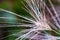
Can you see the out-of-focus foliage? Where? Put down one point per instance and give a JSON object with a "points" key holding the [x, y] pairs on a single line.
{"points": [[15, 6], [12, 5]]}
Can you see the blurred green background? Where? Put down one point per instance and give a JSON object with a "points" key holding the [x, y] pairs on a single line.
{"points": [[14, 6]]}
